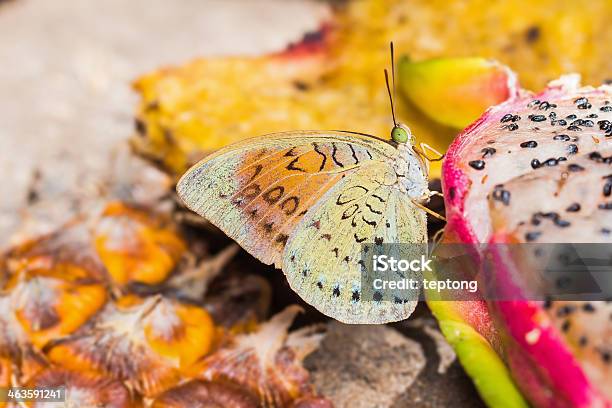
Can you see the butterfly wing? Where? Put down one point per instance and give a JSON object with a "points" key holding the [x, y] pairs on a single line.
{"points": [[326, 259], [259, 190], [288, 200]]}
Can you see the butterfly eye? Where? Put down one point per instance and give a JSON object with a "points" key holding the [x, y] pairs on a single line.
{"points": [[399, 135]]}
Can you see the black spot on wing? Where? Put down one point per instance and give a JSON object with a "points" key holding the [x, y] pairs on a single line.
{"points": [[316, 149], [281, 239], [372, 223], [290, 205], [268, 227], [353, 153], [359, 240], [273, 195], [258, 170], [341, 201], [373, 210], [291, 152], [349, 212], [292, 166], [333, 155], [251, 190]]}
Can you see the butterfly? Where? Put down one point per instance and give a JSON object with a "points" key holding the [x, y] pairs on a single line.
{"points": [[311, 202]]}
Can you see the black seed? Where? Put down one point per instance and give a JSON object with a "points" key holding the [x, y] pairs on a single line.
{"points": [[605, 231], [587, 307], [561, 122], [320, 285], [488, 152], [605, 206], [562, 223], [582, 341], [575, 167], [545, 105], [506, 118], [532, 236], [606, 357], [607, 108], [595, 156], [604, 124], [535, 163], [547, 303], [565, 326], [565, 311], [529, 144], [533, 103], [592, 116], [336, 291], [574, 128], [537, 118], [581, 101], [551, 162], [607, 189], [511, 127], [377, 296], [572, 149], [575, 207], [564, 138], [570, 117], [561, 159], [477, 164], [499, 194], [355, 296], [552, 115], [535, 219]]}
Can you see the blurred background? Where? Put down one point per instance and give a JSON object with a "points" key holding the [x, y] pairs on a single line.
{"points": [[94, 92], [66, 97]]}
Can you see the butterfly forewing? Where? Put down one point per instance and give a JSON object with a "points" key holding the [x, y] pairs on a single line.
{"points": [[258, 191]]}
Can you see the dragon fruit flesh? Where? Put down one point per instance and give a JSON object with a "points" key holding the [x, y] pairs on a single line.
{"points": [[537, 169]]}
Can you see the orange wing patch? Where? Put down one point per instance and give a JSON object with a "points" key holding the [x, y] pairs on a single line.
{"points": [[259, 192]]}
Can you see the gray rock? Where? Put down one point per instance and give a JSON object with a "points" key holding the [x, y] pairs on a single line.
{"points": [[365, 366]]}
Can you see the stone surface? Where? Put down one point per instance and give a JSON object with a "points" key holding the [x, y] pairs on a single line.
{"points": [[408, 364], [365, 366]]}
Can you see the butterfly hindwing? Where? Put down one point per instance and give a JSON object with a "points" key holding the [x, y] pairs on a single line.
{"points": [[361, 213], [259, 190]]}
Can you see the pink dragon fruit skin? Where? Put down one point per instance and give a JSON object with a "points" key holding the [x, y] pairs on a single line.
{"points": [[528, 134]]}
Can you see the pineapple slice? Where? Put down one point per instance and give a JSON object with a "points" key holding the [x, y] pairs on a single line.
{"points": [[149, 343]]}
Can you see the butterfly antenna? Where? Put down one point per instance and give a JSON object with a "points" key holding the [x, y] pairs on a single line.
{"points": [[392, 69], [390, 97]]}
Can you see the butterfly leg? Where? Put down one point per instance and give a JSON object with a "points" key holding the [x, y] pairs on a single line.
{"points": [[437, 236], [427, 210], [425, 147], [422, 152]]}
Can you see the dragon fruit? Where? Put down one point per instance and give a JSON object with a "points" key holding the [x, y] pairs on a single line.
{"points": [[536, 169]]}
